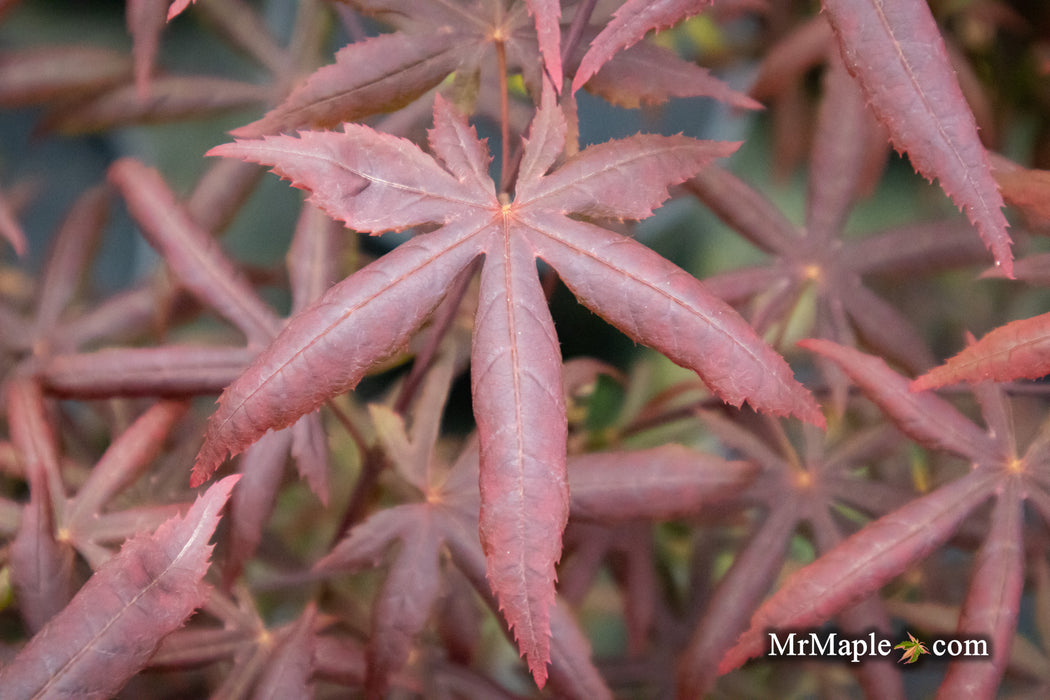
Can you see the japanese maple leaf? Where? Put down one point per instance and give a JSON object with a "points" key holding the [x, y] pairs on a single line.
{"points": [[913, 649], [206, 273], [894, 50], [863, 563], [895, 54], [278, 661], [434, 40], [177, 7], [439, 521], [429, 530], [376, 182], [801, 492], [816, 256], [1016, 350], [10, 228], [113, 625], [630, 23]]}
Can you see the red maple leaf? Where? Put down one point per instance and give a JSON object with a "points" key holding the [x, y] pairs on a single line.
{"points": [[377, 182]]}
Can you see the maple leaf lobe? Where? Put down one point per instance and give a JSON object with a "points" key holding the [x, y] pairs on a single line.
{"points": [[1018, 350], [896, 53]]}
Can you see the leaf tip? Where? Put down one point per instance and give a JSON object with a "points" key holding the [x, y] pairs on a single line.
{"points": [[539, 674], [208, 460], [814, 415], [177, 8], [252, 130], [738, 654], [923, 383], [224, 486], [1004, 265], [224, 150]]}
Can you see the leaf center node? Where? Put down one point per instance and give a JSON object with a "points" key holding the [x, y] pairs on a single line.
{"points": [[812, 272]]}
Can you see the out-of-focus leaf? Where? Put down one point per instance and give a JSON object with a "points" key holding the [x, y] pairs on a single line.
{"points": [[111, 627], [70, 255], [42, 567], [572, 673], [786, 62], [845, 128], [178, 7], [193, 254], [377, 75], [917, 248], [287, 674], [38, 75], [261, 468], [884, 326], [312, 255], [145, 20], [993, 601], [863, 563], [752, 574], [926, 418], [176, 370], [404, 603], [10, 229], [745, 209], [1027, 189], [171, 98], [341, 660], [664, 482], [122, 462], [648, 74], [220, 193]]}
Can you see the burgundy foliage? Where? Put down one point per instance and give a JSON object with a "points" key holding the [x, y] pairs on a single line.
{"points": [[585, 524]]}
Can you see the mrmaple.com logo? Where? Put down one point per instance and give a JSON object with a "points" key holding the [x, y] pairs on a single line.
{"points": [[833, 645]]}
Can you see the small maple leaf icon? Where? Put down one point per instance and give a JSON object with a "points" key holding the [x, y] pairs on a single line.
{"points": [[913, 649]]}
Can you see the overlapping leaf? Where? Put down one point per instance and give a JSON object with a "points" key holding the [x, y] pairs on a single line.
{"points": [[925, 418], [376, 182], [386, 72], [32, 76], [660, 482], [1018, 350], [800, 494], [866, 561], [178, 7], [145, 20], [443, 519], [994, 600], [208, 274], [630, 23], [112, 626], [862, 564], [10, 229], [818, 256], [289, 672], [895, 51]]}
